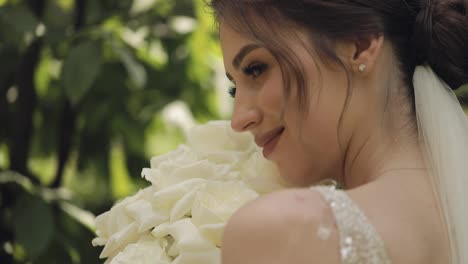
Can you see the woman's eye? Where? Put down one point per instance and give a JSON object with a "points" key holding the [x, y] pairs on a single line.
{"points": [[232, 92], [255, 70]]}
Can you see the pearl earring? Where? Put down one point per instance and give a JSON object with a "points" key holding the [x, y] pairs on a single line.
{"points": [[362, 67]]}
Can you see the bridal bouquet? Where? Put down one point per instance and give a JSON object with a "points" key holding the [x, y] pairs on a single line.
{"points": [[180, 217]]}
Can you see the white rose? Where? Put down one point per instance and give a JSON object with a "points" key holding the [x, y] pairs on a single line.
{"points": [[184, 164], [147, 250], [118, 227], [217, 142], [261, 175], [218, 137], [176, 200], [195, 190], [186, 236], [145, 215]]}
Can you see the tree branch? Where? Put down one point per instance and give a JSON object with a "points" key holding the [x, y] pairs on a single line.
{"points": [[68, 118], [4, 109], [22, 122], [67, 128]]}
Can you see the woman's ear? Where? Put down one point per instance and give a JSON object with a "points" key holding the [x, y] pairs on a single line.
{"points": [[365, 53]]}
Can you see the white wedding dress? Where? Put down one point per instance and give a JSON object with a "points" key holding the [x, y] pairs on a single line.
{"points": [[359, 241]]}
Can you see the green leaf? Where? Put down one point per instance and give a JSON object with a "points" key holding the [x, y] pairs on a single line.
{"points": [[135, 70], [57, 252], [141, 6], [14, 177], [80, 70], [462, 91], [20, 18], [462, 94], [82, 216], [33, 225]]}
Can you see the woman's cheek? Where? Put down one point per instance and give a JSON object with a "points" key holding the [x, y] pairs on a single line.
{"points": [[271, 93]]}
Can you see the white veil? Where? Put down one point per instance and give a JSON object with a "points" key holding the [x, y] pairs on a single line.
{"points": [[443, 131]]}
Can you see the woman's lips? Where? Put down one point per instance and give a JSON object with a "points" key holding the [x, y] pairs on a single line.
{"points": [[270, 145]]}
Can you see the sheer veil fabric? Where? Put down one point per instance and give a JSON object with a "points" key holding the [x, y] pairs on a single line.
{"points": [[443, 132]]}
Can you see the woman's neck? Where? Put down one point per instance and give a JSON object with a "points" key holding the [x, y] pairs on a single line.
{"points": [[374, 157], [385, 136]]}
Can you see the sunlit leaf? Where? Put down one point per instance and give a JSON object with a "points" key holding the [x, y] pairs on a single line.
{"points": [[33, 225], [65, 4], [182, 24], [462, 94], [135, 70], [135, 38], [4, 157], [84, 217], [140, 6], [162, 138], [80, 70], [462, 91], [165, 7], [121, 182], [47, 69], [13, 177], [153, 54]]}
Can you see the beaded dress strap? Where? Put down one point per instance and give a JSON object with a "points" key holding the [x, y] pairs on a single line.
{"points": [[359, 241]]}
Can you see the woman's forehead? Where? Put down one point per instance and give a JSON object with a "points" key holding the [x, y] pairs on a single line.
{"points": [[232, 42], [230, 36]]}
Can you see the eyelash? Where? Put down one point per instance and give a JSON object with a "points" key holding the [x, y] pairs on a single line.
{"points": [[253, 70], [232, 91]]}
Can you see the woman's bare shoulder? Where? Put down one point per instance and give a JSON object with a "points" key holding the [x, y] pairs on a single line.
{"points": [[280, 228], [283, 227]]}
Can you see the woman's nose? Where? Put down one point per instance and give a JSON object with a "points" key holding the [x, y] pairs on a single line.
{"points": [[244, 118]]}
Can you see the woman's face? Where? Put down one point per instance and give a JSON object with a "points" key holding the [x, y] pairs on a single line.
{"points": [[304, 145]]}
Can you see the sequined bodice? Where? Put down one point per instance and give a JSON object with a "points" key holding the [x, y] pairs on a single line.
{"points": [[359, 241]]}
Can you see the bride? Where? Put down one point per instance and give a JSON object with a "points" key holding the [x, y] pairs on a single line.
{"points": [[352, 92]]}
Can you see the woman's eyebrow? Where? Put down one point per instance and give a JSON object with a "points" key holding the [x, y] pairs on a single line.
{"points": [[236, 62]]}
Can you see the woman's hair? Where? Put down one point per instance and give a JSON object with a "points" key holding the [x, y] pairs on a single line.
{"points": [[433, 32]]}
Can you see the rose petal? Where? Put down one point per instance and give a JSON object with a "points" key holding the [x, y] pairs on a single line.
{"points": [[183, 206], [186, 235], [119, 240], [165, 199], [213, 232], [261, 175], [217, 136], [143, 213], [145, 251]]}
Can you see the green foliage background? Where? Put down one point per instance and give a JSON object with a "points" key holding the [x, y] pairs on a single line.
{"points": [[82, 87]]}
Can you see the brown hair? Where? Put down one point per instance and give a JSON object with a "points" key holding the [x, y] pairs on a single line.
{"points": [[433, 32]]}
